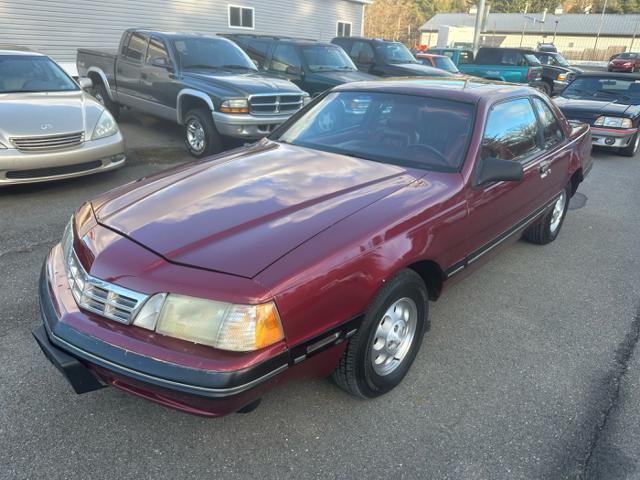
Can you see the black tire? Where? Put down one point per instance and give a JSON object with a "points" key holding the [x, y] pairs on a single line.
{"points": [[631, 149], [355, 372], [99, 92], [541, 232], [211, 140]]}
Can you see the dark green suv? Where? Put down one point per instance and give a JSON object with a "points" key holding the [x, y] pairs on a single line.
{"points": [[313, 66]]}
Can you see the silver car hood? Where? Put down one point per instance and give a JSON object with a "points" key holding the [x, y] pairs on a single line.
{"points": [[47, 113]]}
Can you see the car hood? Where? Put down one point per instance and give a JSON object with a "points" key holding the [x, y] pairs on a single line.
{"points": [[416, 69], [343, 76], [35, 114], [241, 212], [239, 84], [588, 110]]}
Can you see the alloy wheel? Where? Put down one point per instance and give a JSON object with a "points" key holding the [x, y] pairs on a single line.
{"points": [[195, 135], [558, 211], [393, 336]]}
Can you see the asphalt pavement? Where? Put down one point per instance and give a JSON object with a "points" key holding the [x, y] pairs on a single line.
{"points": [[529, 370]]}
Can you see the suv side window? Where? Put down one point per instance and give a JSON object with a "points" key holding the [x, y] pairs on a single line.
{"points": [[551, 131], [361, 52], [125, 44], [512, 131], [257, 50], [136, 47], [285, 56], [489, 56], [156, 50]]}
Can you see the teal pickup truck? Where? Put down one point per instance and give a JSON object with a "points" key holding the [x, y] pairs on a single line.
{"points": [[505, 64]]}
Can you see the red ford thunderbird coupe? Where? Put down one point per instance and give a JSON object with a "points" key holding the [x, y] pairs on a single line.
{"points": [[314, 252]]}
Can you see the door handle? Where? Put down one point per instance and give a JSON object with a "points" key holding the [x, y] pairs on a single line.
{"points": [[545, 169]]}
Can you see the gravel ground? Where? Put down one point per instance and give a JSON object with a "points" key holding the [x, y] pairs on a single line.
{"points": [[529, 369]]}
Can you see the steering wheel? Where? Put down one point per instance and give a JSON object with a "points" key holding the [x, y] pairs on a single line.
{"points": [[420, 147]]}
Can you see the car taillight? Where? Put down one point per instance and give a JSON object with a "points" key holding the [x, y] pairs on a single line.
{"points": [[529, 73]]}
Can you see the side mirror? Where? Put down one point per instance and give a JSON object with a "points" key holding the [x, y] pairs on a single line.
{"points": [[496, 170], [293, 71], [85, 83], [160, 62]]}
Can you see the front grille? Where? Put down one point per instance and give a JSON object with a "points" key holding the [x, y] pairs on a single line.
{"points": [[104, 298], [274, 104], [54, 171], [48, 142]]}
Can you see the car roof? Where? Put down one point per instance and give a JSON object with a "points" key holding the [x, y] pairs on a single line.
{"points": [[6, 49], [464, 89], [271, 37]]}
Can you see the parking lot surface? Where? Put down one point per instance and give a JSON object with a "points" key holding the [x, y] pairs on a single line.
{"points": [[528, 371]]}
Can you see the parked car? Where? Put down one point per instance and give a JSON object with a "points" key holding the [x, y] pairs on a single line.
{"points": [[207, 84], [385, 58], [202, 287], [49, 128], [438, 61], [515, 65], [313, 66], [557, 73], [610, 103], [624, 62], [547, 47]]}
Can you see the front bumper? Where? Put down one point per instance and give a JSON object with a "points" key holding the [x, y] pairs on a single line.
{"points": [[247, 126], [612, 138], [89, 362], [92, 156]]}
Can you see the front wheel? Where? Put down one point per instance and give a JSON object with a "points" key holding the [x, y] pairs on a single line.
{"points": [[200, 134], [546, 229], [631, 149], [379, 355]]}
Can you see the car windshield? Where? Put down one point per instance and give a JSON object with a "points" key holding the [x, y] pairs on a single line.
{"points": [[621, 90], [327, 58], [394, 52], [627, 56], [407, 130], [201, 53], [445, 63], [32, 73]]}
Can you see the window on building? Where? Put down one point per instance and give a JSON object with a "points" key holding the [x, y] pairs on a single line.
{"points": [[344, 29], [240, 17], [511, 132]]}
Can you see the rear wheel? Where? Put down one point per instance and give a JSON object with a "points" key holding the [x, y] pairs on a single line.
{"points": [[200, 134], [546, 229], [99, 92], [631, 149], [379, 355]]}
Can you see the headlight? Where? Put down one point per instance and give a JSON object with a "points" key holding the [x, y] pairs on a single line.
{"points": [[614, 122], [226, 326], [105, 127], [239, 105], [561, 77]]}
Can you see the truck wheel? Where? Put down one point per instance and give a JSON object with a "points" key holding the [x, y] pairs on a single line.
{"points": [[631, 149], [200, 134], [379, 355], [99, 92], [546, 229]]}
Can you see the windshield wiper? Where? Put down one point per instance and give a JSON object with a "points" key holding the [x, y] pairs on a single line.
{"points": [[200, 65], [236, 67]]}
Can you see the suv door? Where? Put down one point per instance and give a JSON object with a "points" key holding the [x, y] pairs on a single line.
{"points": [[498, 209], [158, 85], [128, 68]]}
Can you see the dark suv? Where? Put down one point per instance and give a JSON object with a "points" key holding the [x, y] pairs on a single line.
{"points": [[385, 58], [313, 66]]}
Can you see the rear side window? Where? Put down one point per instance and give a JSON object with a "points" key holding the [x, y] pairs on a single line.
{"points": [[511, 132], [362, 52], [551, 131], [136, 47], [489, 57], [285, 56], [156, 50]]}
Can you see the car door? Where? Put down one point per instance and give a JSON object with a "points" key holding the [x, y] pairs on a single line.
{"points": [[128, 69], [286, 63], [158, 85], [498, 209]]}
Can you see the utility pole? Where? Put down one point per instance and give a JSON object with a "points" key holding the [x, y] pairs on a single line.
{"points": [[478, 27], [595, 45], [524, 25]]}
